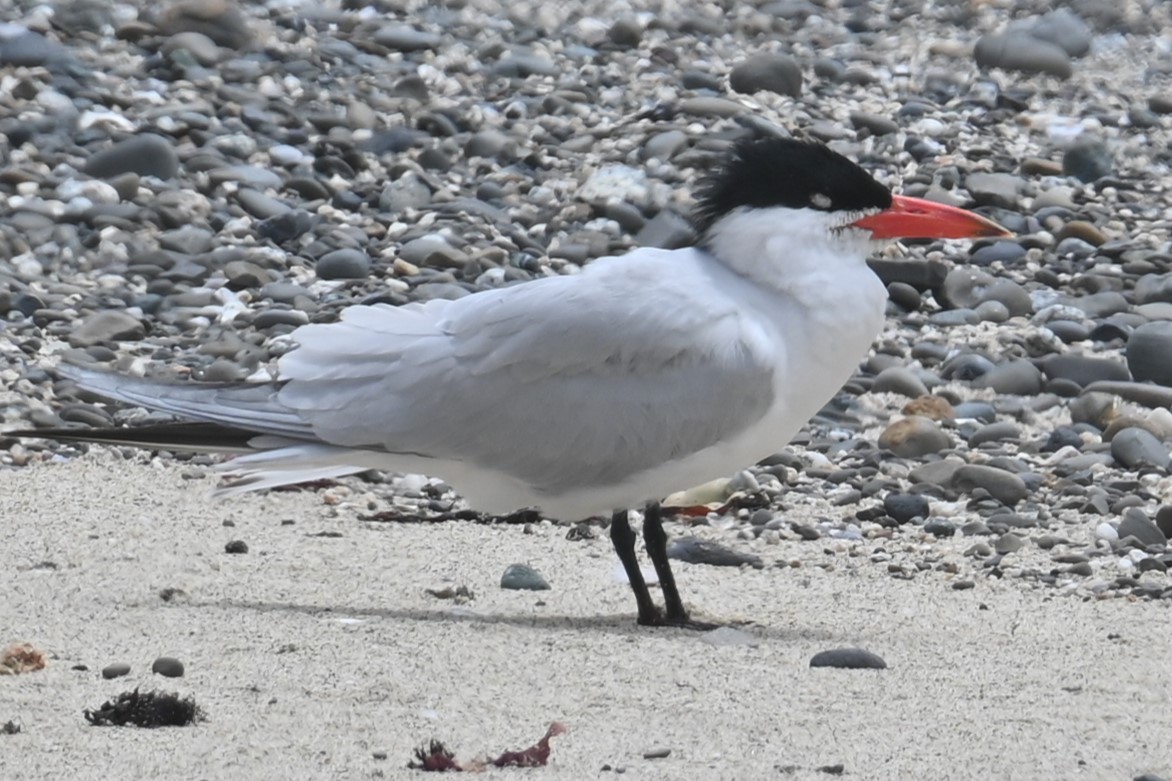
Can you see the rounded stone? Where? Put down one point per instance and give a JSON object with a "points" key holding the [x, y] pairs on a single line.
{"points": [[522, 577], [343, 263], [116, 670], [1149, 353], [769, 72], [848, 659], [146, 155], [168, 667]]}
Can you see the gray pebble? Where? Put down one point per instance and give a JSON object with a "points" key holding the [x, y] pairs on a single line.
{"points": [[694, 550], [1014, 378], [1149, 353], [1135, 523], [897, 379], [107, 325], [522, 577], [343, 264], [1003, 486], [116, 670], [994, 432], [769, 72], [1137, 447], [146, 155], [1022, 53], [1087, 160], [902, 508], [848, 659], [168, 667]]}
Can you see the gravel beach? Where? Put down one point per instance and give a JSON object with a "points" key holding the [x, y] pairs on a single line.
{"points": [[985, 508]]}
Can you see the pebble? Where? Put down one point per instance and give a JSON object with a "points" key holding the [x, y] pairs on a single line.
{"points": [[1018, 378], [848, 659], [522, 577], [897, 379], [236, 547], [694, 550], [1149, 353], [1087, 160], [769, 72], [1136, 448], [116, 670], [902, 508], [168, 667], [343, 264], [1022, 53], [1003, 486], [1136, 524], [107, 326], [146, 155]]}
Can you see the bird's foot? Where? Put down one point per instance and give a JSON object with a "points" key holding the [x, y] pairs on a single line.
{"points": [[675, 620]]}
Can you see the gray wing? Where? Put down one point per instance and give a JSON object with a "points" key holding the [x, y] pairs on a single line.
{"points": [[562, 382]]}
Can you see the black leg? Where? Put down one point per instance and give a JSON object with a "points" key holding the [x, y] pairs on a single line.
{"points": [[655, 538], [623, 540]]}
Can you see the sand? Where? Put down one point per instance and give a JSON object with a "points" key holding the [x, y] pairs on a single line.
{"points": [[312, 654]]}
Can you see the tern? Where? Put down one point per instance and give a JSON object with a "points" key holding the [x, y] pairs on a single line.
{"points": [[585, 394]]}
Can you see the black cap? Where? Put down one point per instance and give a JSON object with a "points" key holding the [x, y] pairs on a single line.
{"points": [[785, 172]]}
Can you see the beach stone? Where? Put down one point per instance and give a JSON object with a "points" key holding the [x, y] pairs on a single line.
{"points": [[236, 547], [1005, 487], [1087, 160], [522, 577], [220, 20], [1012, 378], [1137, 447], [1149, 353], [940, 528], [913, 437], [1000, 431], [1008, 543], [1136, 524], [694, 550], [202, 48], [1065, 29], [902, 508], [1164, 520], [1000, 190], [767, 71], [28, 49], [107, 325], [1007, 253], [905, 296], [146, 155], [168, 667], [1022, 53], [343, 263], [1083, 369], [404, 38], [933, 407], [626, 32], [115, 670], [848, 659], [873, 123], [967, 287], [406, 192], [897, 379]]}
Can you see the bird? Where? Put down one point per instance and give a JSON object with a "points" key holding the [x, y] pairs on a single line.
{"points": [[583, 394]]}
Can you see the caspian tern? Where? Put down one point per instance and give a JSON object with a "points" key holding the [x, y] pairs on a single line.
{"points": [[645, 374]]}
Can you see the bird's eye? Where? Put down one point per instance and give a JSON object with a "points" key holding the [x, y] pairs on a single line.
{"points": [[820, 200]]}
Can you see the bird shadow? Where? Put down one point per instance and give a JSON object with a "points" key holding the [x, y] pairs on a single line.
{"points": [[613, 624]]}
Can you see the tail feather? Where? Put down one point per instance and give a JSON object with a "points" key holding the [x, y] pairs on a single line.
{"points": [[252, 406], [185, 437]]}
